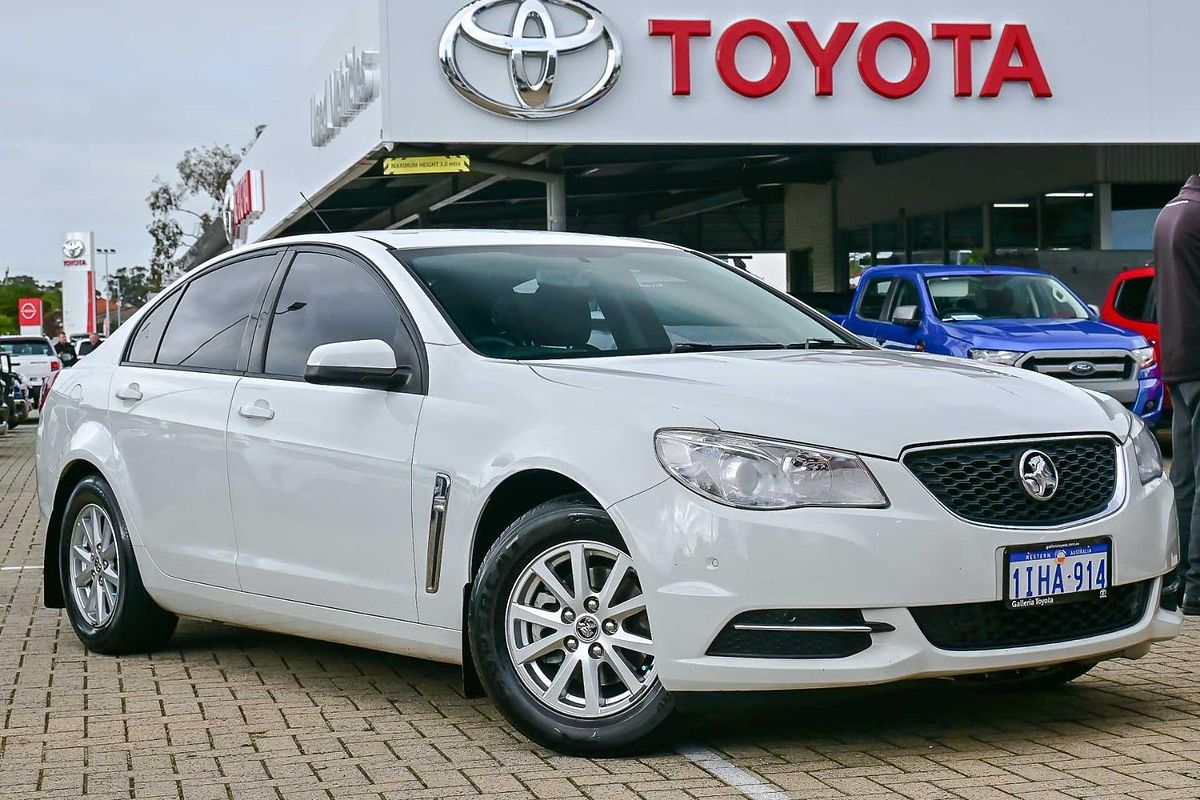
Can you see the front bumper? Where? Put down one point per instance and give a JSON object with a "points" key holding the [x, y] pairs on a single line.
{"points": [[702, 564]]}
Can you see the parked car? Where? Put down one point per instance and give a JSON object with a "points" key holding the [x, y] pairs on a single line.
{"points": [[1131, 304], [1008, 316], [598, 473], [8, 401], [22, 404], [34, 358]]}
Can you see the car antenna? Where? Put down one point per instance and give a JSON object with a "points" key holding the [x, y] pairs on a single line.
{"points": [[317, 213]]}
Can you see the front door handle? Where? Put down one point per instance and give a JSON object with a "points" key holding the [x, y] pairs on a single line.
{"points": [[131, 393], [259, 410]]}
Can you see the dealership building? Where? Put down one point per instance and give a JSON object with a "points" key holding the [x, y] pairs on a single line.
{"points": [[818, 137]]}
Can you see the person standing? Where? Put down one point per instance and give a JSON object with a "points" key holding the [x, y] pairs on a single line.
{"points": [[65, 350], [1177, 261], [93, 341]]}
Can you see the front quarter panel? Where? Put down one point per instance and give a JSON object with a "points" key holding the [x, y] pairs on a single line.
{"points": [[487, 420]]}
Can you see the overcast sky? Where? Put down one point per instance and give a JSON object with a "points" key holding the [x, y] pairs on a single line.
{"points": [[99, 96]]}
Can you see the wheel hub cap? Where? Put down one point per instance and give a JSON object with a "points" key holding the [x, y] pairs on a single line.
{"points": [[586, 583], [588, 628], [94, 566]]}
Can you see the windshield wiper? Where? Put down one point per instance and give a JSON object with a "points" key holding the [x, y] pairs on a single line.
{"points": [[706, 347], [824, 344]]}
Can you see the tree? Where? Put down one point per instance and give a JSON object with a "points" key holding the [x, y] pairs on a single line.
{"points": [[199, 192], [132, 285], [18, 287]]}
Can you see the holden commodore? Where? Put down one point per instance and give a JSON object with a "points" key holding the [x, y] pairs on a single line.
{"points": [[598, 473]]}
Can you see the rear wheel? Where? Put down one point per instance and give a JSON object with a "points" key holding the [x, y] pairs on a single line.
{"points": [[1032, 679], [106, 601], [559, 630]]}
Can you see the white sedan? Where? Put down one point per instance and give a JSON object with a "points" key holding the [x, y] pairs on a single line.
{"points": [[599, 473]]}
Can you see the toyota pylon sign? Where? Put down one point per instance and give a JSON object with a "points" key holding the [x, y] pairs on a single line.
{"points": [[79, 286], [29, 316]]}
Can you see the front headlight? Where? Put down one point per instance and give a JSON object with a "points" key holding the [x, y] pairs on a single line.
{"points": [[747, 472], [1146, 450], [1005, 358], [1145, 357]]}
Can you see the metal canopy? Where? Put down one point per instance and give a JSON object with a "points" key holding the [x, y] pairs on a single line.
{"points": [[718, 198]]}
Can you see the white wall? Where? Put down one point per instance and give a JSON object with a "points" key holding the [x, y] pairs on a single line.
{"points": [[1120, 72]]}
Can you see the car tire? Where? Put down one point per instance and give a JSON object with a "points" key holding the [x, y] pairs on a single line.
{"points": [[1033, 679], [105, 598], [594, 710]]}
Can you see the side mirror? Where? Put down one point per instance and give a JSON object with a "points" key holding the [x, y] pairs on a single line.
{"points": [[908, 316], [369, 363]]}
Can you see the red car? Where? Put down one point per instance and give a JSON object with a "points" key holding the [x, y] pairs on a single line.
{"points": [[1131, 304]]}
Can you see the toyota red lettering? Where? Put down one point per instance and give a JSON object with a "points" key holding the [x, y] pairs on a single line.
{"points": [[1015, 59]]}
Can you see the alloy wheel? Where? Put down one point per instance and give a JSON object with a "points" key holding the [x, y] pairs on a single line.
{"points": [[577, 630], [95, 570]]}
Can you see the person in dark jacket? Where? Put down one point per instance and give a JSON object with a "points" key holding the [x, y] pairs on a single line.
{"points": [[1177, 261], [65, 350], [93, 341]]}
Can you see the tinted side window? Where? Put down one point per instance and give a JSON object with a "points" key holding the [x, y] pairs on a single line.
{"points": [[1133, 299], [326, 299], [906, 295], [144, 347], [210, 321], [871, 304]]}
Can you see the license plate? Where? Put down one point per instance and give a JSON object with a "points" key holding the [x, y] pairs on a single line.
{"points": [[1046, 576]]}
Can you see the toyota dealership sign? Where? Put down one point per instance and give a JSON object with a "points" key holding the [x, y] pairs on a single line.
{"points": [[775, 71], [682, 72]]}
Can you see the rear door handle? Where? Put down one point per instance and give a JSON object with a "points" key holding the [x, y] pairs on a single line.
{"points": [[259, 410], [131, 393]]}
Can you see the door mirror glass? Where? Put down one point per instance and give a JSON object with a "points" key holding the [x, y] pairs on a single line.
{"points": [[368, 363], [908, 316]]}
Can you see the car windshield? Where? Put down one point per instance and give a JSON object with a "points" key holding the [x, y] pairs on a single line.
{"points": [[27, 347], [544, 301], [966, 298]]}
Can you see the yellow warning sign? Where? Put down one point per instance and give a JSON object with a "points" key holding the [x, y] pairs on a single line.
{"points": [[426, 165]]}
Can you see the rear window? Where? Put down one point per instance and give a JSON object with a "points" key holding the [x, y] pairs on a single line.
{"points": [[27, 347], [1133, 299]]}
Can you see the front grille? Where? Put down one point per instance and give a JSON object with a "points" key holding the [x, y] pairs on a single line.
{"points": [[1107, 365], [791, 644], [991, 626], [982, 483]]}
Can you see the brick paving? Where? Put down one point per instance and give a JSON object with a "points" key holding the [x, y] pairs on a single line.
{"points": [[231, 713]]}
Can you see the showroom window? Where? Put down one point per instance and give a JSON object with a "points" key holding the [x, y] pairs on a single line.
{"points": [[326, 299], [925, 239], [209, 323], [889, 243], [1069, 220], [1015, 225]]}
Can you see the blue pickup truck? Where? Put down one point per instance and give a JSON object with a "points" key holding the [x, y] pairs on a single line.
{"points": [[1011, 316]]}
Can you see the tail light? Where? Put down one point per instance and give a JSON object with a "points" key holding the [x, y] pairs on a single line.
{"points": [[46, 386], [55, 366]]}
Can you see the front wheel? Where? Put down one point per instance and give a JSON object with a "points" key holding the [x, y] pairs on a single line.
{"points": [[560, 633], [106, 601]]}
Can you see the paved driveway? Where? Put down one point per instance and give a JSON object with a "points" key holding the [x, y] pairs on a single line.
{"points": [[231, 713]]}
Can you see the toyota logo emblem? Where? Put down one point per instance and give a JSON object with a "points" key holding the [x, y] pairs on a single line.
{"points": [[533, 47], [74, 248], [1038, 475]]}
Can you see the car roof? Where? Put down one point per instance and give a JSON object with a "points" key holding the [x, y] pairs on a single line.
{"points": [[19, 338], [950, 270], [426, 238]]}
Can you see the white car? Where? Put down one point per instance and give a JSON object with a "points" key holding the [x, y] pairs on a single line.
{"points": [[600, 473], [33, 357]]}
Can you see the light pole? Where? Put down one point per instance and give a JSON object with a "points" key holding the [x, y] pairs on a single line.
{"points": [[106, 252]]}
